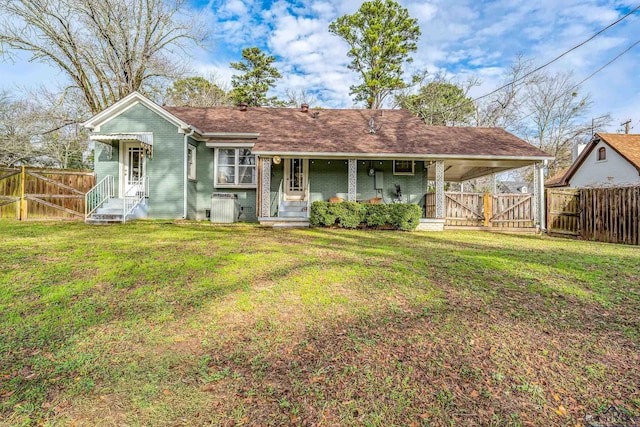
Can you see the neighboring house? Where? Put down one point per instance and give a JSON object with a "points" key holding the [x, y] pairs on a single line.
{"points": [[165, 162], [609, 159], [512, 187]]}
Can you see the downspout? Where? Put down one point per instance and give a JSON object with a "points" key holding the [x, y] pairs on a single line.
{"points": [[186, 180]]}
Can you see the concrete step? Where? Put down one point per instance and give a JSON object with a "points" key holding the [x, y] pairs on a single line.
{"points": [[109, 211], [104, 219], [296, 203], [113, 206], [292, 214], [284, 222], [292, 224]]}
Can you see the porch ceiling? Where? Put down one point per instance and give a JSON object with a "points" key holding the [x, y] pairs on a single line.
{"points": [[463, 170]]}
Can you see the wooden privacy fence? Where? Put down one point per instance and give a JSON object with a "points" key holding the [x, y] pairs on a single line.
{"points": [[563, 212], [34, 193], [603, 214], [484, 209]]}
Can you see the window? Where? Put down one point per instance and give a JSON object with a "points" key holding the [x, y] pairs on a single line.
{"points": [[403, 167], [191, 162], [602, 154], [235, 167]]}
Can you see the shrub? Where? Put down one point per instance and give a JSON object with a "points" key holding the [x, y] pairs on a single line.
{"points": [[377, 215], [349, 214], [405, 216], [320, 215], [352, 215]]}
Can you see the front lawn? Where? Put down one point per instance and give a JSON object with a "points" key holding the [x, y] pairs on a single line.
{"points": [[162, 324]]}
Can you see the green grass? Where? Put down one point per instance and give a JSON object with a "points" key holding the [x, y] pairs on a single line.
{"points": [[154, 324]]}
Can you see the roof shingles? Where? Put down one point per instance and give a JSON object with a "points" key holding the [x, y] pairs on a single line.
{"points": [[348, 131]]}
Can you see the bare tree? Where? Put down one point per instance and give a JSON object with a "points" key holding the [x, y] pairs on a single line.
{"points": [[61, 141], [15, 142], [556, 117], [503, 108], [107, 48], [295, 98]]}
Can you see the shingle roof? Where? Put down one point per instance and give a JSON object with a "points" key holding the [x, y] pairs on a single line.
{"points": [[557, 180], [627, 145], [348, 131]]}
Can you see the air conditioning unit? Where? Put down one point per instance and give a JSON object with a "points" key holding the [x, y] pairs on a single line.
{"points": [[224, 207]]}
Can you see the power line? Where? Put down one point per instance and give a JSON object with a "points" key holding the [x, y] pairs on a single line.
{"points": [[607, 64], [559, 56], [589, 76], [471, 101]]}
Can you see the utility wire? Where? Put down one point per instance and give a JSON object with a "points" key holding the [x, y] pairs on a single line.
{"points": [[590, 75], [561, 55], [551, 61], [607, 64]]}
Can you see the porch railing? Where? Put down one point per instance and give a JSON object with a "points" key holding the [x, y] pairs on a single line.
{"points": [[135, 194], [100, 193]]}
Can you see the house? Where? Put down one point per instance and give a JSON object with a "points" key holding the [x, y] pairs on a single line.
{"points": [[165, 162], [514, 187], [609, 159]]}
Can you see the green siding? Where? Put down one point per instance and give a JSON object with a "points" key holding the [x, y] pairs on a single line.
{"points": [[165, 169], [413, 186], [205, 173], [105, 164], [329, 178], [199, 195], [192, 200]]}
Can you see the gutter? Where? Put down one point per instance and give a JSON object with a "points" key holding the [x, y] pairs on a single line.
{"points": [[397, 156], [186, 178]]}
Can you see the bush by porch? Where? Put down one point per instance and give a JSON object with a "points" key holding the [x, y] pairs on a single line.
{"points": [[399, 216]]}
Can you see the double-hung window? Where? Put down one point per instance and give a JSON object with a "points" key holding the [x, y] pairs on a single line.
{"points": [[235, 167]]}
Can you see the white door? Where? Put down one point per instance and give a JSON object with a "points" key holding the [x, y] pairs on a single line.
{"points": [[296, 178], [133, 166]]}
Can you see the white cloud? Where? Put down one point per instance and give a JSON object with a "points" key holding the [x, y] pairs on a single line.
{"points": [[462, 37]]}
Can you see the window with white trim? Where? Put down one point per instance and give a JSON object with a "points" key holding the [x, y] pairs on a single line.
{"points": [[235, 167], [403, 167], [191, 162]]}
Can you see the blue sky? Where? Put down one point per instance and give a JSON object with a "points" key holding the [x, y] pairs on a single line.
{"points": [[460, 37]]}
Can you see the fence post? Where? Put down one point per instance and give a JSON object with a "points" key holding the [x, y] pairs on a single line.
{"points": [[488, 209], [23, 202]]}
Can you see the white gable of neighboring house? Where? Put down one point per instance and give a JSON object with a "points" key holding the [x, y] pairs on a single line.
{"points": [[614, 170]]}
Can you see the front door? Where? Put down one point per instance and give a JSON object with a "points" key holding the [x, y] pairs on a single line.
{"points": [[296, 178], [133, 165]]}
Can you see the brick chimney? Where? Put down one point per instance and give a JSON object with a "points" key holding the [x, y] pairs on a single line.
{"points": [[304, 108], [243, 106]]}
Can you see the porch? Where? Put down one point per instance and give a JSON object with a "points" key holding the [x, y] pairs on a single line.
{"points": [[287, 186]]}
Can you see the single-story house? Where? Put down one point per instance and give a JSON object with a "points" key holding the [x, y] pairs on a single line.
{"points": [[181, 162], [609, 159]]}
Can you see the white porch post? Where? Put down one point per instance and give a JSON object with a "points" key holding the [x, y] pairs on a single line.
{"points": [[542, 206], [265, 187], [536, 195], [440, 189], [353, 180]]}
